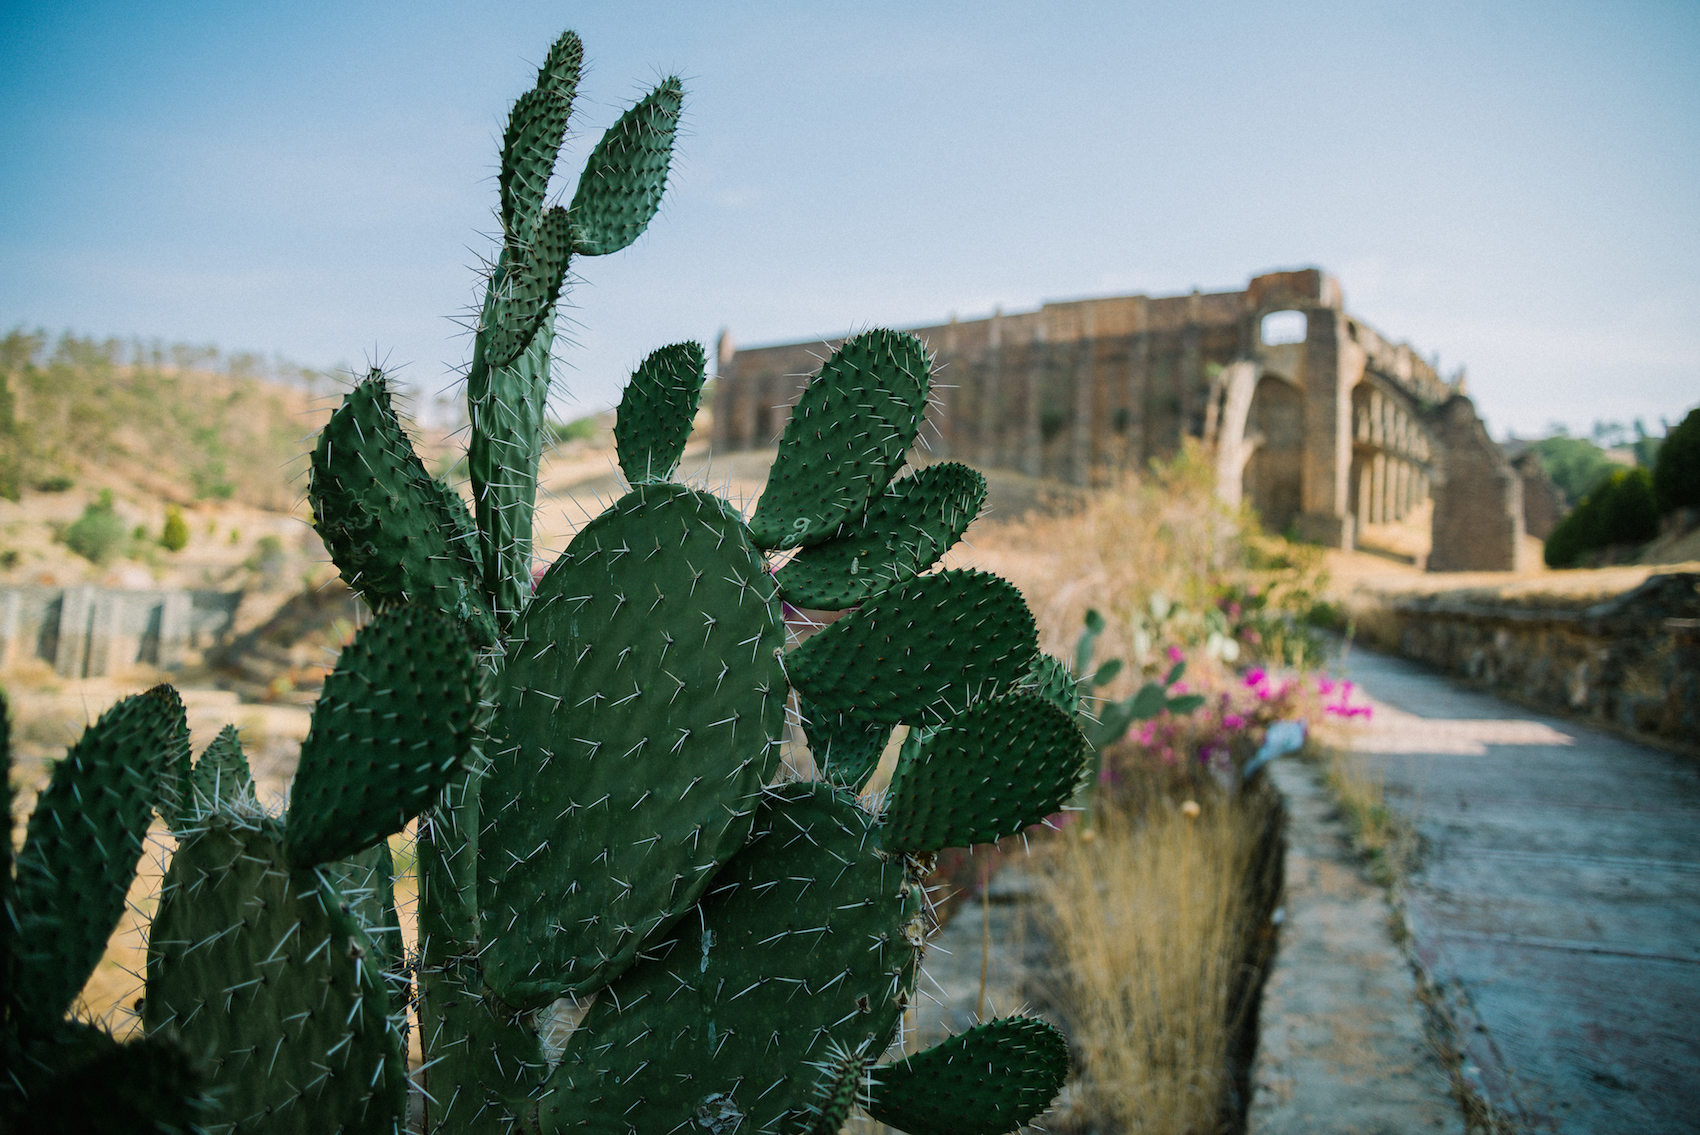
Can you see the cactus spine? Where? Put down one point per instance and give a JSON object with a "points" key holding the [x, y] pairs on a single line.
{"points": [[594, 765]]}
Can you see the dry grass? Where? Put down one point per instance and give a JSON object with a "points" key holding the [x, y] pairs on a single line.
{"points": [[1158, 927], [1385, 841], [1164, 533]]}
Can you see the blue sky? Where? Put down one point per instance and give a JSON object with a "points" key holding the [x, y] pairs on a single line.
{"points": [[1511, 185]]}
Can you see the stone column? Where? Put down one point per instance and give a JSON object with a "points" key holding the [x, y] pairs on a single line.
{"points": [[1366, 491], [992, 424], [1378, 494], [1191, 381], [1478, 503], [1138, 387], [11, 621], [1330, 373], [175, 611], [1032, 437], [1085, 397], [75, 612], [105, 624]]}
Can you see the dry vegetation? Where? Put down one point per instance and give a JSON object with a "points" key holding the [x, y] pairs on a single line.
{"points": [[1159, 919], [1159, 925]]}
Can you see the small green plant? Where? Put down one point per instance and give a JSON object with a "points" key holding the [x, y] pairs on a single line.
{"points": [[593, 758], [1105, 722], [99, 533], [579, 429], [174, 537]]}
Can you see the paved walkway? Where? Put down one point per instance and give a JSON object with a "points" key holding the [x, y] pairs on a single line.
{"points": [[1341, 1048], [1556, 903]]}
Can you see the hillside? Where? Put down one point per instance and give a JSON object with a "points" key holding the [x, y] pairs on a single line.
{"points": [[116, 436]]}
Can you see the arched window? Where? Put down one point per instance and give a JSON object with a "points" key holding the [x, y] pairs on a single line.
{"points": [[1280, 327]]}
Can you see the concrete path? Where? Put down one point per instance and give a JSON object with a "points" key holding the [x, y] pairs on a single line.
{"points": [[1556, 904], [1341, 1049]]}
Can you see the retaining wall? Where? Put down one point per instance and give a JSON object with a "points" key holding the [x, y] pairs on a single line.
{"points": [[91, 632], [1632, 662]]}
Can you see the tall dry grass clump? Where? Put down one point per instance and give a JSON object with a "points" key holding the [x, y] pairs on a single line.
{"points": [[1159, 928], [1163, 533]]}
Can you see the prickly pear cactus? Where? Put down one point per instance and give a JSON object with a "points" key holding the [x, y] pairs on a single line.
{"points": [[593, 761]]}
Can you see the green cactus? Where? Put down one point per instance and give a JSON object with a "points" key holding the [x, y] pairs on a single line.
{"points": [[593, 759], [58, 909]]}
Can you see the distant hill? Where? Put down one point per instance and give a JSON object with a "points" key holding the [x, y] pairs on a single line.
{"points": [[180, 423]]}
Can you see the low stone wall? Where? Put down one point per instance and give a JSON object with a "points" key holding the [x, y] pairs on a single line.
{"points": [[1632, 662], [92, 632]]}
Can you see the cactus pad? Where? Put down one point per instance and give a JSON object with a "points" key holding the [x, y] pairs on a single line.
{"points": [[805, 946], [1050, 678], [838, 1089], [640, 711], [993, 769], [272, 988], [904, 532], [919, 650], [992, 1079], [846, 748], [623, 180], [396, 719], [397, 534], [529, 283], [529, 149], [220, 777], [83, 843], [76, 1078], [656, 412], [845, 439]]}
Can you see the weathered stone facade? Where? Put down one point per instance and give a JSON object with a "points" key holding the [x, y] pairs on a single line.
{"points": [[91, 632], [1323, 430]]}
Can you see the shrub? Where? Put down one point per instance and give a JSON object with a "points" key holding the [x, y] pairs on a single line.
{"points": [[1676, 478], [579, 429], [1619, 512], [1576, 465], [98, 533], [175, 536]]}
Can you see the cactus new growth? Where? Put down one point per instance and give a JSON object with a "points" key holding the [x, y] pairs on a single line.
{"points": [[593, 763]]}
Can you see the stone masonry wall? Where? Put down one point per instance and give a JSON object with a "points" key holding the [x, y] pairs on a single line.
{"points": [[91, 632], [1632, 662]]}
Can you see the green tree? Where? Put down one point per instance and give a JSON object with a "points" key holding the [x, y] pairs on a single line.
{"points": [[1620, 512], [1676, 478], [1576, 465]]}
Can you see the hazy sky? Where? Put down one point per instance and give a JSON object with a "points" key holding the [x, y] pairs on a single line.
{"points": [[1513, 185]]}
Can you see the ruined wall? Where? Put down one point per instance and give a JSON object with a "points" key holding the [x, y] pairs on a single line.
{"points": [[1334, 435], [1478, 497], [90, 632], [1543, 504], [1632, 662]]}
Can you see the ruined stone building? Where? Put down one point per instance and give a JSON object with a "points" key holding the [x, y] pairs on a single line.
{"points": [[1319, 422]]}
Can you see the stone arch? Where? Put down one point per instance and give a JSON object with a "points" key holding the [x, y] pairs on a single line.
{"points": [[1274, 475], [1392, 460]]}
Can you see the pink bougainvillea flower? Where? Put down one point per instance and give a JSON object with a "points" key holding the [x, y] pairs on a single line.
{"points": [[1176, 654], [1233, 721]]}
